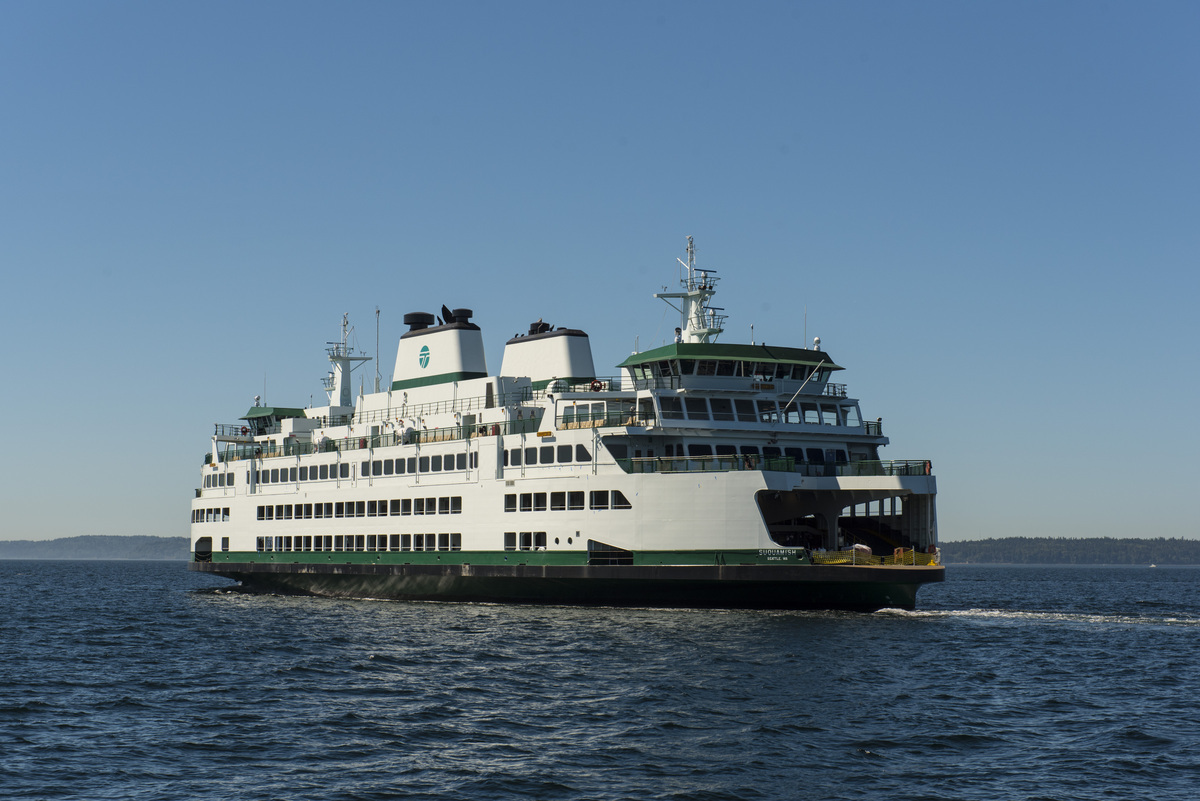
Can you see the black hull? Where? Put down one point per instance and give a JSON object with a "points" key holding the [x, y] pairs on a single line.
{"points": [[845, 587]]}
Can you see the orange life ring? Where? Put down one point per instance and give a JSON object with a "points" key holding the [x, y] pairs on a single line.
{"points": [[597, 386], [245, 431]]}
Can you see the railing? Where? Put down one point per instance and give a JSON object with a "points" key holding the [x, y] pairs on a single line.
{"points": [[857, 556], [835, 390], [586, 419], [785, 464]]}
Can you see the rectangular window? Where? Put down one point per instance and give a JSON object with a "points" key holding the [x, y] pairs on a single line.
{"points": [[418, 542], [364, 469], [287, 512], [275, 476], [224, 543], [474, 460], [406, 506], [377, 468], [460, 461], [510, 540], [344, 470], [699, 450], [531, 456], [287, 543], [514, 457], [435, 463], [564, 453], [456, 505], [370, 542], [423, 464], [394, 542], [671, 408], [539, 540], [279, 511], [539, 501], [406, 542], [292, 475], [329, 510], [261, 514], [456, 541], [360, 508], [371, 507], [394, 507], [388, 467], [419, 506], [546, 454], [697, 408], [510, 503], [399, 467], [319, 510], [574, 501], [318, 543], [324, 470], [526, 538], [444, 506], [304, 473], [558, 501], [526, 501], [599, 499], [726, 450], [722, 408], [619, 501], [582, 454], [339, 509], [411, 464], [444, 542]]}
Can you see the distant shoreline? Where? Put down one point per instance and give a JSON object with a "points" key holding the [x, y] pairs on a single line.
{"points": [[1013, 551]]}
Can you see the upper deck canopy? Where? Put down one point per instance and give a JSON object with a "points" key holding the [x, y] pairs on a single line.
{"points": [[741, 353]]}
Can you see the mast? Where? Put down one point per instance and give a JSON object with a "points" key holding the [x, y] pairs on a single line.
{"points": [[700, 321], [342, 357]]}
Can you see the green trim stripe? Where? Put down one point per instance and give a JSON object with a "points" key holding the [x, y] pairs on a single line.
{"points": [[429, 381], [756, 353]]}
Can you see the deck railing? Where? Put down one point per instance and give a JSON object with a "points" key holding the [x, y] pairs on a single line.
{"points": [[786, 464], [857, 556]]}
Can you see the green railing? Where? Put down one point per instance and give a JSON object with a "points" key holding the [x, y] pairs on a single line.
{"points": [[786, 464]]}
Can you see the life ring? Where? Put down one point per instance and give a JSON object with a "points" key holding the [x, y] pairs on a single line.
{"points": [[597, 386], [245, 431]]}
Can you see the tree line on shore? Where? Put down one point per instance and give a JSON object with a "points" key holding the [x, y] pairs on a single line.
{"points": [[1073, 551]]}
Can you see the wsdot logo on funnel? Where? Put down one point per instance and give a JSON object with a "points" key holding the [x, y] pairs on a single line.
{"points": [[423, 357]]}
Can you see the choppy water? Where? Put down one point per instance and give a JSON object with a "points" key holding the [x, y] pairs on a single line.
{"points": [[128, 680]]}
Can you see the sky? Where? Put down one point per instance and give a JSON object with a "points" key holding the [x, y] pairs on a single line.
{"points": [[989, 213]]}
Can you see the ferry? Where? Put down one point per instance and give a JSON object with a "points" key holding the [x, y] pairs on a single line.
{"points": [[704, 474]]}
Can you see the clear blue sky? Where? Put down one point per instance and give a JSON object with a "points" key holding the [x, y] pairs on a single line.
{"points": [[990, 210]]}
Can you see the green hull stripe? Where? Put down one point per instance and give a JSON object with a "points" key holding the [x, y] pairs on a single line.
{"points": [[764, 556]]}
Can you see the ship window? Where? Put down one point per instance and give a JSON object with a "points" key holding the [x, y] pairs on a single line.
{"points": [[706, 367], [515, 457], [663, 368], [539, 501], [370, 542], [388, 467], [275, 476], [840, 455], [539, 540], [360, 509], [546, 454], [510, 540], [575, 500], [816, 455], [319, 510], [444, 506], [510, 503], [443, 542], [531, 456], [725, 367], [317, 543], [697, 408], [287, 543], [377, 468], [423, 464], [456, 505], [852, 418], [829, 415], [393, 542], [671, 408], [419, 506], [364, 469], [324, 470], [809, 414], [769, 451], [399, 467], [460, 461], [329, 510], [339, 509], [406, 542], [360, 542], [599, 499], [394, 507], [722, 408], [558, 501], [456, 541], [371, 509], [526, 540], [406, 506], [435, 463], [526, 502], [412, 464], [287, 512], [750, 450], [583, 455], [261, 515], [794, 453], [292, 474], [474, 459], [303, 473], [308, 511], [726, 450], [279, 511], [259, 544], [344, 470], [686, 366], [699, 450], [767, 411], [619, 501]]}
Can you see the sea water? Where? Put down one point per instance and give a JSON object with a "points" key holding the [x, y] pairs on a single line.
{"points": [[140, 680]]}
